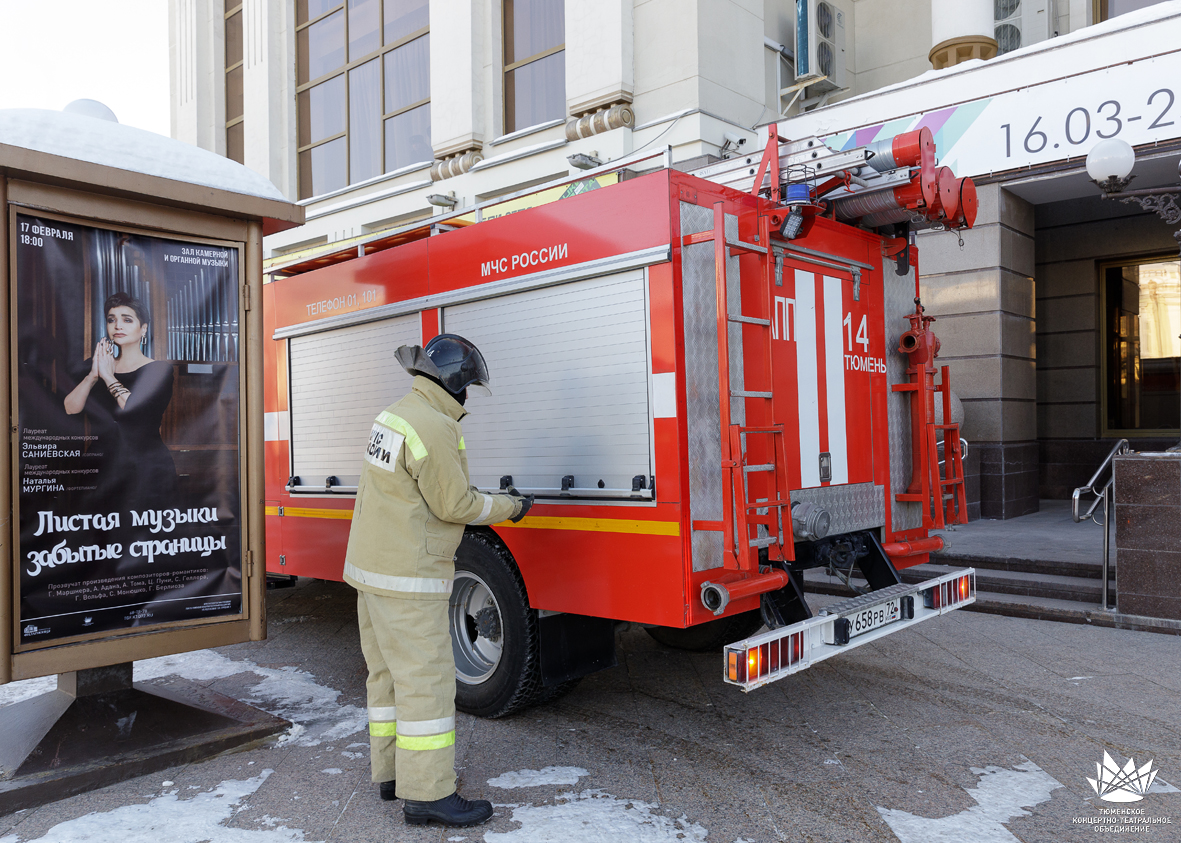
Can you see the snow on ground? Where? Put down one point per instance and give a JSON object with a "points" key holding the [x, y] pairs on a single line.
{"points": [[288, 692], [596, 817], [1001, 795], [25, 688], [536, 778], [168, 818]]}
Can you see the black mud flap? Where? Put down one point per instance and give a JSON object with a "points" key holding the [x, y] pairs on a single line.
{"points": [[573, 646], [787, 605], [875, 565]]}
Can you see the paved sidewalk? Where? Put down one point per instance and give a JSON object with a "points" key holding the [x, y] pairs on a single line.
{"points": [[969, 727], [1050, 534]]}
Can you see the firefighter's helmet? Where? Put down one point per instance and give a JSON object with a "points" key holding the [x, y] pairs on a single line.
{"points": [[450, 359]]}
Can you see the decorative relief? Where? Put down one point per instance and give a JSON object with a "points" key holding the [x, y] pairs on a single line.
{"points": [[603, 120], [455, 165]]}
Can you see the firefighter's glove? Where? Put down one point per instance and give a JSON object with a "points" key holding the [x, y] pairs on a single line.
{"points": [[522, 504]]}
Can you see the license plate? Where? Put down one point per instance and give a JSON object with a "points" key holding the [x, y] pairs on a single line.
{"points": [[870, 619]]}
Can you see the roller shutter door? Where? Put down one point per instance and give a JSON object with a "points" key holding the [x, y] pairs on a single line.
{"points": [[340, 381], [569, 368]]}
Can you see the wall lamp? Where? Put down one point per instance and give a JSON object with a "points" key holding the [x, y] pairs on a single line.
{"points": [[1109, 164], [584, 161], [443, 200]]}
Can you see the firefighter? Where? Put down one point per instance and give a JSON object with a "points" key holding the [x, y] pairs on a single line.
{"points": [[413, 500]]}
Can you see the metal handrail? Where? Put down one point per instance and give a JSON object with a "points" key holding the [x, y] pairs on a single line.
{"points": [[1121, 447], [1101, 496]]}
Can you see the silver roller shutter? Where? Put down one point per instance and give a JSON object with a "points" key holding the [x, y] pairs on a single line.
{"points": [[569, 368], [340, 381]]}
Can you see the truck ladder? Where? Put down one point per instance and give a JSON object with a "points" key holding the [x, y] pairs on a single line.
{"points": [[739, 513], [942, 495]]}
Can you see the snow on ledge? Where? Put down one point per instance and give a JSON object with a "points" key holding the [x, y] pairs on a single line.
{"points": [[1015, 74], [128, 148]]}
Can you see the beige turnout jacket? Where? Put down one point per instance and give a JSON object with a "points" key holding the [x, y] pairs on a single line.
{"points": [[414, 498]]}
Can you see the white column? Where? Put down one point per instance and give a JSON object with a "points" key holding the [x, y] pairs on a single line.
{"points": [[599, 54], [960, 19], [196, 54], [268, 53], [457, 70]]}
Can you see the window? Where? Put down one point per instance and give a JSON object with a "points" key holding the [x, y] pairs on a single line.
{"points": [[1108, 9], [534, 62], [1142, 371], [363, 89], [234, 138]]}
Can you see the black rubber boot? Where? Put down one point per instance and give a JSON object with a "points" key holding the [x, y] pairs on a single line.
{"points": [[451, 810], [387, 791]]}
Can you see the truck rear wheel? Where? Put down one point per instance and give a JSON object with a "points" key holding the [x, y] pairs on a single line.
{"points": [[709, 635], [493, 630]]}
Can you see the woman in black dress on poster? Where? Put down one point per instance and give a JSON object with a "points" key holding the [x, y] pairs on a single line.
{"points": [[125, 397]]}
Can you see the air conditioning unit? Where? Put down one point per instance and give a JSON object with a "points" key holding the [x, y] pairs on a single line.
{"points": [[820, 45], [1019, 23]]}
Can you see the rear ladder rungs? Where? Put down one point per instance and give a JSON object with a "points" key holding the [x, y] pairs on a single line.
{"points": [[747, 394], [764, 467]]}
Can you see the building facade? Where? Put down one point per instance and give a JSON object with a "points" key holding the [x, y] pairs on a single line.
{"points": [[1058, 312]]}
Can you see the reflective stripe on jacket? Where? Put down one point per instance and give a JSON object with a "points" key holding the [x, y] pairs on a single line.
{"points": [[414, 498]]}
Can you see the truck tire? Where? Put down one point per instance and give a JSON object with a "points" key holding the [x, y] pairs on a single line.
{"points": [[552, 693], [493, 630], [709, 635]]}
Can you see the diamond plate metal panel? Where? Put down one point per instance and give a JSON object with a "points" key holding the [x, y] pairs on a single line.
{"points": [[703, 408], [707, 550], [899, 301], [854, 506]]}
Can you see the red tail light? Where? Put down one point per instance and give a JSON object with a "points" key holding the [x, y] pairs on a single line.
{"points": [[949, 593]]}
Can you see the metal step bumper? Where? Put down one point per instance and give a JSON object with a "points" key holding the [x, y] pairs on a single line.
{"points": [[840, 627]]}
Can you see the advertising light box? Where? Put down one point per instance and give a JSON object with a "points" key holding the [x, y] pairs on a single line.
{"points": [[129, 407]]}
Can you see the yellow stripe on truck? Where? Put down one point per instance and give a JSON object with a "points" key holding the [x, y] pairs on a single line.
{"points": [[597, 525], [533, 522], [302, 512]]}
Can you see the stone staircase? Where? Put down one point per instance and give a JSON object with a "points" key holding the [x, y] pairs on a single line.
{"points": [[1052, 590]]}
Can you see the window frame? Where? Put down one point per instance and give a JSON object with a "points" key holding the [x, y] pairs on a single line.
{"points": [[344, 69], [1106, 432], [506, 69], [1100, 11], [239, 9]]}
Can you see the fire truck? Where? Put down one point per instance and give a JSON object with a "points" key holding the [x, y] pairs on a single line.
{"points": [[711, 381]]}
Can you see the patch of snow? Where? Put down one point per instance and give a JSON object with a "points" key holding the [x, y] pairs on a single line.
{"points": [[333, 771], [168, 784], [292, 735], [1001, 795], [128, 148], [14, 692], [197, 666], [195, 820], [537, 778], [288, 692], [596, 817], [353, 754], [1077, 678], [1159, 785]]}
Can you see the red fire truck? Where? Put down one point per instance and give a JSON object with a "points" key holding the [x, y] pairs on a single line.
{"points": [[710, 381]]}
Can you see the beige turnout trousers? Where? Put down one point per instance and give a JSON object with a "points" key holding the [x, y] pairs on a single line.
{"points": [[411, 693]]}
